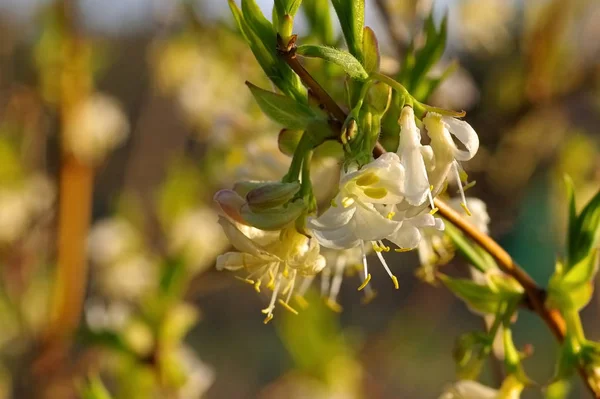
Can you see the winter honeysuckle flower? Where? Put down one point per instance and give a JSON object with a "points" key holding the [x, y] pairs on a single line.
{"points": [[276, 258], [355, 216], [447, 154], [415, 186]]}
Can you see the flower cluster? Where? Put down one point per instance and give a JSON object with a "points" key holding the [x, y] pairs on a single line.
{"points": [[385, 201]]}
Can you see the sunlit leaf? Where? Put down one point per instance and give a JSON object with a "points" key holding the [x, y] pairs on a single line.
{"points": [[349, 63]]}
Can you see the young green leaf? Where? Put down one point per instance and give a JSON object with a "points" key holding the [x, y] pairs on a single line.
{"points": [[370, 50], [287, 7], [282, 109], [351, 14], [586, 231], [467, 249], [265, 51], [351, 65], [479, 298], [258, 23]]}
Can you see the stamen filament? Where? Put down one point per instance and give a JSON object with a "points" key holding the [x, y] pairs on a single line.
{"points": [[387, 269], [288, 307], [463, 204], [365, 267]]}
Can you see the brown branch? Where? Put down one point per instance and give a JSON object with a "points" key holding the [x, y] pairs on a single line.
{"points": [[535, 295]]}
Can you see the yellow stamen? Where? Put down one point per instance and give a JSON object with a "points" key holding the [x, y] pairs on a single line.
{"points": [[303, 303], [464, 206], [376, 247], [333, 305], [289, 285], [391, 215], [347, 201], [271, 283], [403, 249], [375, 193], [434, 211], [245, 280], [288, 307], [368, 298], [286, 272], [431, 188], [268, 318], [396, 284], [364, 284], [463, 176], [367, 179], [257, 286]]}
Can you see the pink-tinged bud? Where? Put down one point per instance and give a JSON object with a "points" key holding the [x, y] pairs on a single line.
{"points": [[231, 204]]}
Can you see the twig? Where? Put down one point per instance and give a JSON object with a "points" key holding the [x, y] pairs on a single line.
{"points": [[535, 295]]}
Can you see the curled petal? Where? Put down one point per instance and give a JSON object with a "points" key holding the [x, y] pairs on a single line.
{"points": [[408, 236], [466, 135], [230, 203]]}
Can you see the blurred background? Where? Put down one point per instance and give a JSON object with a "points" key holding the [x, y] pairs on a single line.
{"points": [[119, 119]]}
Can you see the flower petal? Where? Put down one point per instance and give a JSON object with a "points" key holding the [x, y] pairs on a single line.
{"points": [[466, 134], [370, 225], [332, 218], [238, 260], [241, 242]]}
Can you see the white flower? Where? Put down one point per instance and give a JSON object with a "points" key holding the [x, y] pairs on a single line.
{"points": [[194, 236], [410, 233], [101, 316], [97, 126], [446, 153], [111, 240], [130, 278], [415, 187], [353, 217], [467, 389], [275, 257]]}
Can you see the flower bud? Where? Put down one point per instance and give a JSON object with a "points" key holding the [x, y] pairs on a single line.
{"points": [[273, 218], [271, 195]]}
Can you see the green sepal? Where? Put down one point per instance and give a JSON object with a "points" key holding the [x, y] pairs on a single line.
{"points": [[283, 109], [351, 66]]}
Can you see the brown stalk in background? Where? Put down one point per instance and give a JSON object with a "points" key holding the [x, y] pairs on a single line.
{"points": [[535, 295], [74, 209]]}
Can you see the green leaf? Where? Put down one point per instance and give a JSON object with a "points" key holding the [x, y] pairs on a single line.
{"points": [[288, 140], [287, 7], [479, 298], [350, 64], [574, 289], [282, 109], [586, 231], [370, 50], [258, 23], [319, 20], [351, 14], [264, 47], [572, 222]]}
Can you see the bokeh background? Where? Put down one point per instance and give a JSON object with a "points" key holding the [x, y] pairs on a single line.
{"points": [[166, 79]]}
